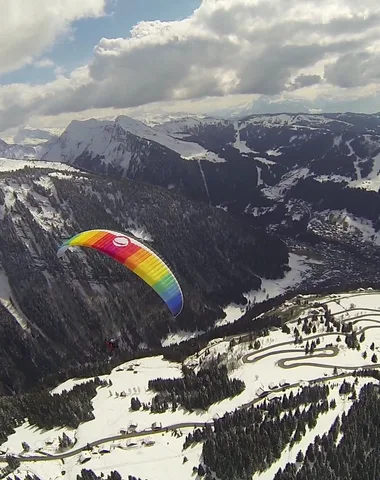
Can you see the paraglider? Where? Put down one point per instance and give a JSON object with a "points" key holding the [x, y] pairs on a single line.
{"points": [[137, 257], [111, 345]]}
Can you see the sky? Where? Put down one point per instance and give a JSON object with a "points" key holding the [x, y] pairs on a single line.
{"points": [[70, 59]]}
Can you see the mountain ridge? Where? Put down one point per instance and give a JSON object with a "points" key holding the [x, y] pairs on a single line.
{"points": [[252, 167]]}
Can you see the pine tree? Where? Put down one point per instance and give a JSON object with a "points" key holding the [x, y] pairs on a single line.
{"points": [[300, 457], [25, 447], [201, 470]]}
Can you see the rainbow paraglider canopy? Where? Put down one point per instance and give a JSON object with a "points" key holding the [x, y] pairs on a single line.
{"points": [[137, 257]]}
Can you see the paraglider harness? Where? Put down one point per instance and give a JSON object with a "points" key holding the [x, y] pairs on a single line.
{"points": [[111, 345]]}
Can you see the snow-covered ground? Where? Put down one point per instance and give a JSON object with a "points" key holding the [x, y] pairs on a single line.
{"points": [[9, 302], [261, 369], [180, 336], [240, 144], [277, 191], [9, 165]]}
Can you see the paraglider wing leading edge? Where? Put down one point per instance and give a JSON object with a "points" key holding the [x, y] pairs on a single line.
{"points": [[137, 257]]}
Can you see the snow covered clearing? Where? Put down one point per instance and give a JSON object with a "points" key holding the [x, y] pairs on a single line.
{"points": [[259, 179], [140, 232], [372, 181], [265, 161], [240, 144], [61, 175], [368, 300], [149, 458], [10, 165], [274, 153], [332, 178], [180, 336], [288, 180]]}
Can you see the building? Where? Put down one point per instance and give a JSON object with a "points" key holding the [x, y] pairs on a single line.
{"points": [[131, 444], [284, 383], [84, 457], [148, 442], [132, 427], [103, 450]]}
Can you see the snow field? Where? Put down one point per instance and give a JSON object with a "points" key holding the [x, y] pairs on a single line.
{"points": [[166, 455], [148, 462], [7, 165]]}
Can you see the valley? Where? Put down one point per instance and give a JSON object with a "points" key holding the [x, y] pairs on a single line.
{"points": [[324, 340]]}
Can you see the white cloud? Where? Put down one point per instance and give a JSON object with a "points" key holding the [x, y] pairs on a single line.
{"points": [[309, 49], [44, 63], [29, 27]]}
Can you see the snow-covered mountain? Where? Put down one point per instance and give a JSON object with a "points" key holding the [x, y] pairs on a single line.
{"points": [[113, 142], [256, 166], [340, 147]]}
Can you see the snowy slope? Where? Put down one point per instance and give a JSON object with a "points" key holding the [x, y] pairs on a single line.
{"points": [[75, 139], [9, 165], [8, 301], [241, 144], [187, 150], [260, 374]]}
